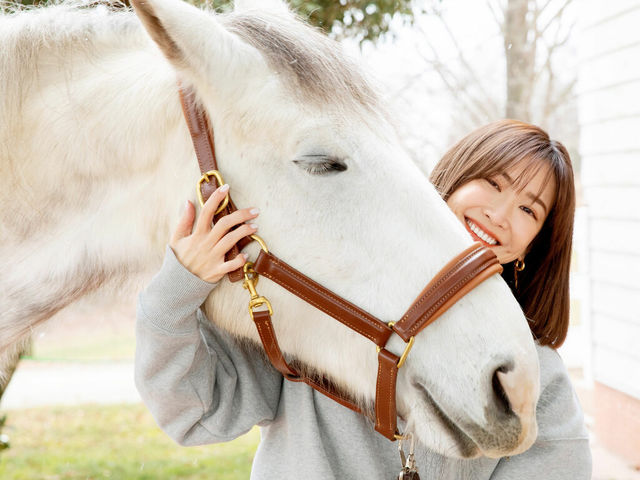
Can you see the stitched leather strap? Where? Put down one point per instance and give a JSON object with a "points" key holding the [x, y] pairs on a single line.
{"points": [[323, 299], [267, 334], [460, 275], [262, 319], [454, 280], [203, 145], [386, 416]]}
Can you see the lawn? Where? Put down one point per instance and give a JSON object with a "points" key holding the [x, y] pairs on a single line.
{"points": [[112, 442]]}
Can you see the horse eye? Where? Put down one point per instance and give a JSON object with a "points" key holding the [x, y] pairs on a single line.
{"points": [[321, 164]]}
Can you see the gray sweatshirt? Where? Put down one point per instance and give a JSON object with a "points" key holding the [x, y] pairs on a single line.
{"points": [[204, 387]]}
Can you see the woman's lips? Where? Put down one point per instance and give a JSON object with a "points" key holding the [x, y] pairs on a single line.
{"points": [[478, 233]]}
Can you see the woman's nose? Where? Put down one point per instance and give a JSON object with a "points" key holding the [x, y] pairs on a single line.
{"points": [[498, 214]]}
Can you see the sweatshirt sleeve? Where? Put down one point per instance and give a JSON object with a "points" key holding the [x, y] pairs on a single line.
{"points": [[200, 386], [561, 450]]}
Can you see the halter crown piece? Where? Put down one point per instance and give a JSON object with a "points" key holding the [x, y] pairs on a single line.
{"points": [[458, 277]]}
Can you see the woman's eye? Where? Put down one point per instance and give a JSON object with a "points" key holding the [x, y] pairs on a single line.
{"points": [[528, 211], [493, 183]]}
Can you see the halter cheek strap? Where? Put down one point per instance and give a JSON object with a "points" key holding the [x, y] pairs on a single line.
{"points": [[459, 276], [202, 139]]}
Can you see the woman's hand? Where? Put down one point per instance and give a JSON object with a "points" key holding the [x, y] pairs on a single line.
{"points": [[202, 252]]}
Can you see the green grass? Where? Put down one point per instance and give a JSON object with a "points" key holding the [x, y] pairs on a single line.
{"points": [[112, 442]]}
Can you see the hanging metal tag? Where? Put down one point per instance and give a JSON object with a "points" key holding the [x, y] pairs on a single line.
{"points": [[409, 470]]}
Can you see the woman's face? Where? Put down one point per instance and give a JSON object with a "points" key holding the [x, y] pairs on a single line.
{"points": [[503, 217]]}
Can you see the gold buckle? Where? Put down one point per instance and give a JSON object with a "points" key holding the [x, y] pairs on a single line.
{"points": [[257, 302], [250, 282], [206, 177]]}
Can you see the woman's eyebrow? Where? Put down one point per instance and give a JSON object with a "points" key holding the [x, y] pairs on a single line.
{"points": [[534, 198], [537, 199]]}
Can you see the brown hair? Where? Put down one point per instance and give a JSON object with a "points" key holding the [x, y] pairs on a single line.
{"points": [[543, 286]]}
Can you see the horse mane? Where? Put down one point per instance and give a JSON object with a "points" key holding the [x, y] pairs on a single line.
{"points": [[59, 33]]}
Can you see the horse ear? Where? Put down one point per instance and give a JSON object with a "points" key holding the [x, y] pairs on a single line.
{"points": [[273, 6], [194, 41]]}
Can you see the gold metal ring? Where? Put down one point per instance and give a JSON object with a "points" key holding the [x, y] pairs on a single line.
{"points": [[206, 177], [260, 241], [407, 349]]}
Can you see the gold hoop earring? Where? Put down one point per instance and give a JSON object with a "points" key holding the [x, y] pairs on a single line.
{"points": [[518, 266]]}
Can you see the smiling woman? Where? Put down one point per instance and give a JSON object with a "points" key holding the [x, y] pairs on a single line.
{"points": [[512, 187]]}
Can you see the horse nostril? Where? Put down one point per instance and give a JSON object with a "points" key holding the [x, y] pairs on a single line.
{"points": [[498, 389]]}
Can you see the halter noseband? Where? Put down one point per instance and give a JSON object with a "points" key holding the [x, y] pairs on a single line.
{"points": [[458, 277]]}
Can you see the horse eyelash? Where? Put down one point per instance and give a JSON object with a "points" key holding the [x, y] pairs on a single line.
{"points": [[321, 164]]}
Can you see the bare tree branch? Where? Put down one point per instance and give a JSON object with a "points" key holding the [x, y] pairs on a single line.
{"points": [[541, 10], [556, 17], [468, 67], [453, 83], [562, 98], [494, 12]]}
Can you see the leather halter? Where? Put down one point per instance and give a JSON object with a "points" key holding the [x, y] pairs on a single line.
{"points": [[458, 277]]}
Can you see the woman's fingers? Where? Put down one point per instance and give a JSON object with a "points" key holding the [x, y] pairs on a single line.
{"points": [[226, 223], [205, 219], [231, 265], [230, 239], [185, 224]]}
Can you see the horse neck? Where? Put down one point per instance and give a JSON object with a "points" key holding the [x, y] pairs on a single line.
{"points": [[100, 104]]}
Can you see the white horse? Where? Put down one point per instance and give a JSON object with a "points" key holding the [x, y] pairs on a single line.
{"points": [[96, 162]]}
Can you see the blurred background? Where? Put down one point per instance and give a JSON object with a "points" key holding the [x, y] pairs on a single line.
{"points": [[446, 67]]}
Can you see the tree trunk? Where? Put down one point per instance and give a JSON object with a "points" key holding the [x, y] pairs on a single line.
{"points": [[519, 46]]}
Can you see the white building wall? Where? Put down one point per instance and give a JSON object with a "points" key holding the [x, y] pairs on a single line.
{"points": [[609, 117]]}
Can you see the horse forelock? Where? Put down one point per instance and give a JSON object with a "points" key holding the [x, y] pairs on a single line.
{"points": [[312, 65]]}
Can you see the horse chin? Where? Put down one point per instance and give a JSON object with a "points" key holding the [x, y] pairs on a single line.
{"points": [[436, 430]]}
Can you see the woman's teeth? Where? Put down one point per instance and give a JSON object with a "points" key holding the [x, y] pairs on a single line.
{"points": [[480, 233]]}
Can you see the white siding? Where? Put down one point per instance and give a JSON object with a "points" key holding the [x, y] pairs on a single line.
{"points": [[609, 116]]}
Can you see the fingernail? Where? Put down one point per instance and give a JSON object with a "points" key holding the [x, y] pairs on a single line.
{"points": [[254, 211], [246, 256], [253, 226], [224, 188]]}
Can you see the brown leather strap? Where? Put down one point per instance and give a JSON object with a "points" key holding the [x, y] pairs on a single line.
{"points": [[262, 319], [386, 416], [203, 145], [457, 278], [326, 388], [269, 340], [315, 294], [201, 137]]}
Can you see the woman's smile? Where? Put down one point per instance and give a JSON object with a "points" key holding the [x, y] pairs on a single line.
{"points": [[481, 234], [502, 214]]}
